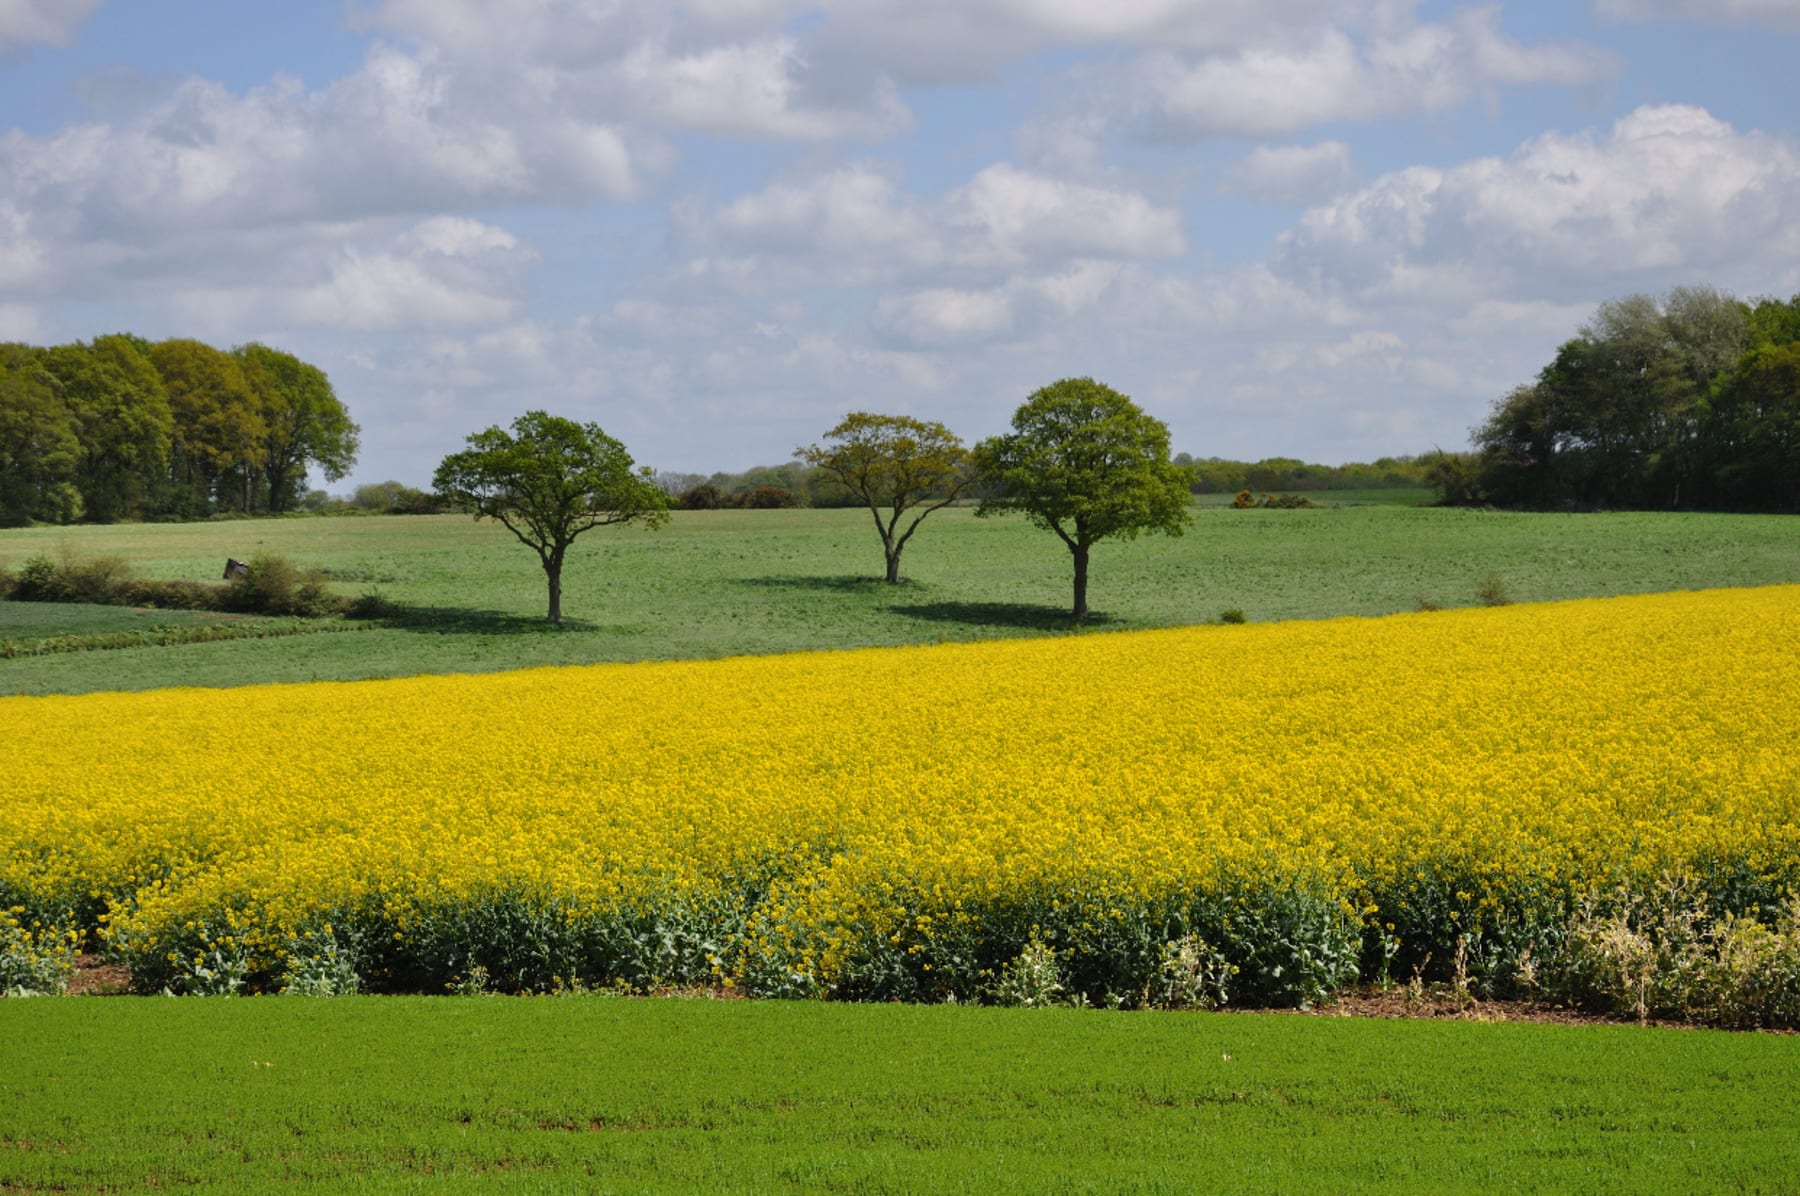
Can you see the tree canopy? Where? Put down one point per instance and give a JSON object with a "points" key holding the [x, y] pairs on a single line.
{"points": [[303, 423], [1690, 401], [1085, 462], [549, 480], [893, 464], [40, 451], [175, 428]]}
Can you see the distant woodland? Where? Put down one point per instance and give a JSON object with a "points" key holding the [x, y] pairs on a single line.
{"points": [[121, 428], [1690, 402]]}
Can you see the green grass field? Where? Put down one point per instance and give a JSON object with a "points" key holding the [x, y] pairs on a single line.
{"points": [[396, 1094], [740, 582]]}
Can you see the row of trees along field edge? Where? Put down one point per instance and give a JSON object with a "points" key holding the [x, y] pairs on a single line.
{"points": [[124, 428]]}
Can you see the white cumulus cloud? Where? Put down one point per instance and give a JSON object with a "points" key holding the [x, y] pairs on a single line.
{"points": [[1292, 174], [41, 22], [1398, 69], [1668, 189]]}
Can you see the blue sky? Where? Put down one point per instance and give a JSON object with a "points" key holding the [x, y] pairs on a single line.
{"points": [[1332, 229]]}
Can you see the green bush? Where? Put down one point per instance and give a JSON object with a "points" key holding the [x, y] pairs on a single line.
{"points": [[274, 585]]}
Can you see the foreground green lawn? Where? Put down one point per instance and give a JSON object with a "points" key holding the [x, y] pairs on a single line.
{"points": [[738, 582], [392, 1094]]}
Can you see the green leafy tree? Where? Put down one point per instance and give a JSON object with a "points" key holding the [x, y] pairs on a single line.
{"points": [[123, 420], [894, 464], [219, 433], [549, 480], [39, 448], [1758, 418], [304, 423], [1087, 463]]}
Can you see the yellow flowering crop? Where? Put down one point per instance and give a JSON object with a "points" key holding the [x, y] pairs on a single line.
{"points": [[898, 822]]}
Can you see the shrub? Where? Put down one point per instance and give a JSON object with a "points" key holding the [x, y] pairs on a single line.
{"points": [[1190, 975], [370, 605], [1246, 500], [770, 498], [36, 581], [34, 961], [1491, 591], [1663, 954], [704, 497], [1032, 981], [9, 581], [170, 593], [1232, 614], [274, 585]]}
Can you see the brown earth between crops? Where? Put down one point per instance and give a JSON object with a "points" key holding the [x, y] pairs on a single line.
{"points": [[94, 977]]}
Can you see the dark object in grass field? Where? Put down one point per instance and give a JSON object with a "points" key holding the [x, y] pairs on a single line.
{"points": [[235, 568]]}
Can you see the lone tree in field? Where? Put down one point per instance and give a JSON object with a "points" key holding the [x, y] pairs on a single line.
{"points": [[549, 480], [894, 464], [1084, 462]]}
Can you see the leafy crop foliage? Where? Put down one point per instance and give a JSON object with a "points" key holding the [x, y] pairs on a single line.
{"points": [[1256, 815]]}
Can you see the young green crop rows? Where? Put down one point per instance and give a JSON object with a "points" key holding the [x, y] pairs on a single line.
{"points": [[1263, 813]]}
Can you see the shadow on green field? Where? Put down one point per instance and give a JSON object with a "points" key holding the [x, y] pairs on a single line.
{"points": [[1023, 615], [862, 584], [450, 620]]}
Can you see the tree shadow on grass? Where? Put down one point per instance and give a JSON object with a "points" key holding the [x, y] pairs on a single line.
{"points": [[843, 585], [1021, 615], [453, 620]]}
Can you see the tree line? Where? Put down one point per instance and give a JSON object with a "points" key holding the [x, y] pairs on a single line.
{"points": [[800, 483], [1691, 401], [124, 428]]}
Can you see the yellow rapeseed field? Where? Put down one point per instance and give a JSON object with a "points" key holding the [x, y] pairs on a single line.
{"points": [[897, 822]]}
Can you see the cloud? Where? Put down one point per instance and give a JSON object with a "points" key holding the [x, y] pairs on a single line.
{"points": [[1669, 190], [907, 42], [753, 89], [41, 22], [1399, 69], [1782, 15], [941, 316], [854, 226], [1291, 174], [442, 272], [393, 137], [722, 67]]}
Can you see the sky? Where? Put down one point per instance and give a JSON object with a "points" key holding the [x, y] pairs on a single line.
{"points": [[1327, 229]]}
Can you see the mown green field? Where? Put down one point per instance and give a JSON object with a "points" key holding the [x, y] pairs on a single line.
{"points": [[473, 1094], [739, 582]]}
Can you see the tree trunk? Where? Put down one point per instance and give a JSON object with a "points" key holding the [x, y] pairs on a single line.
{"points": [[1081, 564], [893, 566], [553, 574]]}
